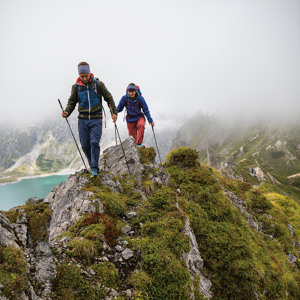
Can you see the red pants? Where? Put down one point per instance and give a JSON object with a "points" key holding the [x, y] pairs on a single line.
{"points": [[136, 129]]}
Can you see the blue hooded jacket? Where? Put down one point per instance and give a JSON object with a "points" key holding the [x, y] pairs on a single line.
{"points": [[134, 107]]}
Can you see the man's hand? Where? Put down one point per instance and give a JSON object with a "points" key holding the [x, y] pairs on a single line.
{"points": [[152, 124], [64, 114], [114, 118]]}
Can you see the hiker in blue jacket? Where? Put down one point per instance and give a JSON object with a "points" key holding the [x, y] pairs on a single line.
{"points": [[88, 92], [135, 104]]}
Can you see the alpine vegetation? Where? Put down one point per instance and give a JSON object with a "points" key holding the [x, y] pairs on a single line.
{"points": [[177, 231]]}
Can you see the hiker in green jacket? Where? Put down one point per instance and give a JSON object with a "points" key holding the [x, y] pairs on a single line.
{"points": [[88, 92]]}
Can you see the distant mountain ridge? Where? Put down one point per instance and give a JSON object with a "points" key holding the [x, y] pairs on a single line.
{"points": [[267, 147], [48, 147]]}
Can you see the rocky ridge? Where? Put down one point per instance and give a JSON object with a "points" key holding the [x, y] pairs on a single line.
{"points": [[182, 231], [68, 204]]}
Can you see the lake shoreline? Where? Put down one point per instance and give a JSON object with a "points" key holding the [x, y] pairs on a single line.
{"points": [[16, 194], [66, 172]]}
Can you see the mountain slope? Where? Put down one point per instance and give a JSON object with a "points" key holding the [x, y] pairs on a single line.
{"points": [[179, 232], [271, 146]]}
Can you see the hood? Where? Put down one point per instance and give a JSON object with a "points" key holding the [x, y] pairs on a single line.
{"points": [[138, 95], [79, 82]]}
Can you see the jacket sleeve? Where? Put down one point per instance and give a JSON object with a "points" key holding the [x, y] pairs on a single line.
{"points": [[72, 100], [146, 110], [121, 104], [107, 96]]}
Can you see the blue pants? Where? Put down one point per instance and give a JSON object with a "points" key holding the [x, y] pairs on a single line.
{"points": [[90, 132]]}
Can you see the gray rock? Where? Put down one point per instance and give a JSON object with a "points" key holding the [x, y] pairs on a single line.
{"points": [[205, 285], [119, 248], [45, 269], [127, 253], [126, 229], [113, 293], [68, 203], [113, 159], [292, 258], [225, 165], [128, 293], [21, 233], [5, 222], [213, 159], [194, 261], [91, 271], [23, 219], [43, 248], [7, 236], [63, 239], [34, 200], [291, 230], [104, 258], [100, 205], [241, 205], [108, 180], [131, 215]]}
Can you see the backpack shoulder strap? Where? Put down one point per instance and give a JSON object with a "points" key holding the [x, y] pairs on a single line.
{"points": [[96, 87]]}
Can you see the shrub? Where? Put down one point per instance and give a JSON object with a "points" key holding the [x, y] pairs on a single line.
{"points": [[183, 157], [107, 274], [162, 198], [70, 284], [38, 216], [93, 231], [258, 201], [147, 155], [82, 248], [12, 272]]}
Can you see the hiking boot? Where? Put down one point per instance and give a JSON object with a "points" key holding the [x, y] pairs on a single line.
{"points": [[94, 173], [140, 145]]}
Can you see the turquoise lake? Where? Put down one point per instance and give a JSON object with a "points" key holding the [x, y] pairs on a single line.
{"points": [[16, 194]]}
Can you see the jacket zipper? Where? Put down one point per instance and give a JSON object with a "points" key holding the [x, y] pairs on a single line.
{"points": [[89, 101]]}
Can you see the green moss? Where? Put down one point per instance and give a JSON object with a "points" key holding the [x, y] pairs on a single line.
{"points": [[163, 274], [162, 198], [107, 274], [69, 283], [183, 157], [147, 155], [93, 231], [38, 216], [140, 280], [12, 272], [113, 204], [13, 215], [82, 248], [257, 200], [134, 200], [102, 223]]}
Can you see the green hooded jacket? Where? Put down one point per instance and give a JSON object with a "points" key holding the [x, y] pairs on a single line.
{"points": [[96, 111]]}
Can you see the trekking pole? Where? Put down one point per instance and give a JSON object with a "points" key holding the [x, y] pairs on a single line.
{"points": [[116, 129], [156, 144], [116, 136], [73, 135]]}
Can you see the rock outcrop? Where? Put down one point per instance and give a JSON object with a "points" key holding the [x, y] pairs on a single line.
{"points": [[225, 165]]}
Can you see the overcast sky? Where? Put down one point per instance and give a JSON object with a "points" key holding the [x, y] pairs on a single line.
{"points": [[185, 55]]}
